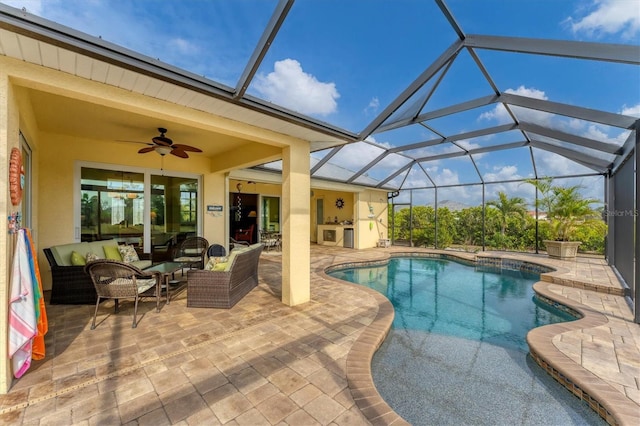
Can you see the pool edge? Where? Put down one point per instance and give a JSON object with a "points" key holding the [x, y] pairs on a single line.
{"points": [[601, 397]]}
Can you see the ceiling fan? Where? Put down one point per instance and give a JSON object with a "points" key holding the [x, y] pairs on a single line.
{"points": [[163, 146]]}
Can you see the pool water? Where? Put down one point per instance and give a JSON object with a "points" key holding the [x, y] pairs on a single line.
{"points": [[457, 351]]}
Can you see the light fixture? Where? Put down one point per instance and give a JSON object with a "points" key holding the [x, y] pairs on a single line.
{"points": [[163, 150], [239, 186], [252, 213]]}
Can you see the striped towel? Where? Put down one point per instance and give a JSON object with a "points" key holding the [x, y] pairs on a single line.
{"points": [[38, 351], [22, 315]]}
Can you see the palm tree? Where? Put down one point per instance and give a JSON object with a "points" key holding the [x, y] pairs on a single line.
{"points": [[569, 209], [565, 207], [547, 195], [508, 207]]}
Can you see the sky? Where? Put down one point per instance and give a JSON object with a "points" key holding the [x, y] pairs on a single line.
{"points": [[343, 62]]}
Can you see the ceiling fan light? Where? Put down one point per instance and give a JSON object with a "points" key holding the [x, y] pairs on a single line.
{"points": [[163, 150]]}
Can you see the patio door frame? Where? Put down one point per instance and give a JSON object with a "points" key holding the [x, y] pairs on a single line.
{"points": [[146, 172]]}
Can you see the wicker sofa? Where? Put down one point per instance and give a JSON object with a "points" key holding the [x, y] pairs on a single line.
{"points": [[225, 287], [70, 284]]}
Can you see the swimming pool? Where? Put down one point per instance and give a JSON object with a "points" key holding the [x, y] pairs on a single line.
{"points": [[457, 354]]}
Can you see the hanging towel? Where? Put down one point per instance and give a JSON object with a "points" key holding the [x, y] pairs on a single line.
{"points": [[38, 294], [22, 315]]}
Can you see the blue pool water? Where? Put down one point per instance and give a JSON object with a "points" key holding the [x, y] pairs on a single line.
{"points": [[457, 351]]}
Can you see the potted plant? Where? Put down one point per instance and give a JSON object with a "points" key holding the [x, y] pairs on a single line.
{"points": [[566, 208]]}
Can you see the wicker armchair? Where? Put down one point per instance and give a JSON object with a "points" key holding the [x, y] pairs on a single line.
{"points": [[118, 280], [223, 289], [192, 251]]}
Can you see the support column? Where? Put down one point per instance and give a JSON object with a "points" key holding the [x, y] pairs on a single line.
{"points": [[296, 211], [8, 127]]}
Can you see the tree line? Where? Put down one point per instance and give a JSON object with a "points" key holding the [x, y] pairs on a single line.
{"points": [[508, 226]]}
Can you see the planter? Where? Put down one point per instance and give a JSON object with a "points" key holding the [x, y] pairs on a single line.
{"points": [[562, 249]]}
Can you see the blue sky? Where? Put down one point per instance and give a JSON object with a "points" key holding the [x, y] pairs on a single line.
{"points": [[343, 61]]}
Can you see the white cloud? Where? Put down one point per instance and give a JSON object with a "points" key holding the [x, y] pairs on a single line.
{"points": [[373, 106], [500, 114], [502, 173], [551, 164], [289, 86], [184, 46], [607, 17], [633, 111]]}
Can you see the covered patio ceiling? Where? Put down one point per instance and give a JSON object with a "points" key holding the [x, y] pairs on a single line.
{"points": [[392, 95]]}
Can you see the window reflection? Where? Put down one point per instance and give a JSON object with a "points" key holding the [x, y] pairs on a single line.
{"points": [[113, 206]]}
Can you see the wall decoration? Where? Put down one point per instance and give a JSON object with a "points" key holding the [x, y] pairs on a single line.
{"points": [[339, 203], [14, 224], [16, 176]]}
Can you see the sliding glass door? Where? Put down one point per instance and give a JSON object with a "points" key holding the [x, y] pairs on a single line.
{"points": [[112, 205], [152, 212], [173, 213]]}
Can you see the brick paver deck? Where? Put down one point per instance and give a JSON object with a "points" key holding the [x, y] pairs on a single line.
{"points": [[262, 362]]}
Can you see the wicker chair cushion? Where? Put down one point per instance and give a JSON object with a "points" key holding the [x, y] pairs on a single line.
{"points": [[124, 283], [112, 252], [77, 259], [128, 254], [144, 285]]}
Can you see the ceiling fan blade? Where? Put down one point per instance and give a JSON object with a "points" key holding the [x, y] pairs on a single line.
{"points": [[179, 153], [187, 148], [147, 149], [143, 143]]}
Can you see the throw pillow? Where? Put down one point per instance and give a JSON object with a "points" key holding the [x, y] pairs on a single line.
{"points": [[112, 252], [128, 254], [77, 259], [213, 261], [92, 256], [210, 264]]}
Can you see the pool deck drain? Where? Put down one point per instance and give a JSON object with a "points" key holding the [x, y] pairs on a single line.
{"points": [[264, 362]]}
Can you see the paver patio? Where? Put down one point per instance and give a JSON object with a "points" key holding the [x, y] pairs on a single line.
{"points": [[262, 362]]}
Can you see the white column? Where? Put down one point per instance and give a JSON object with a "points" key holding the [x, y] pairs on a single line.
{"points": [[296, 256]]}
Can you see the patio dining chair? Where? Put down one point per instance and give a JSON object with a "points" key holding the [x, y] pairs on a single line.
{"points": [[117, 280], [271, 240], [192, 251]]}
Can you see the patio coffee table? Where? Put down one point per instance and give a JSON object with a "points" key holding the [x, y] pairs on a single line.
{"points": [[168, 270]]}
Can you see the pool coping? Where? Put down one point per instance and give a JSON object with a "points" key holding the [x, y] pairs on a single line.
{"points": [[603, 398]]}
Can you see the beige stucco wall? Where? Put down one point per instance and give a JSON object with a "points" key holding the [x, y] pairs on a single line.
{"points": [[372, 213]]}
